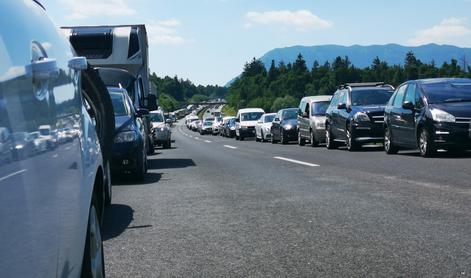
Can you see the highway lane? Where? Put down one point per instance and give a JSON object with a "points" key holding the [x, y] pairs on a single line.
{"points": [[239, 209]]}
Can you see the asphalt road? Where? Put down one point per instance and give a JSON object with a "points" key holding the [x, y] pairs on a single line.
{"points": [[216, 207]]}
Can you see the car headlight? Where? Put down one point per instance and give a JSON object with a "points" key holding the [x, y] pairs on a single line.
{"points": [[125, 137], [163, 129], [288, 127], [19, 147], [442, 116], [232, 127], [361, 117]]}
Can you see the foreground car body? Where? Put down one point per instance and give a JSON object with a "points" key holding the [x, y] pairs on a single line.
{"points": [[51, 203], [429, 115]]}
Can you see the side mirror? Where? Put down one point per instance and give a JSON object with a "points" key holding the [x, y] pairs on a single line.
{"points": [[342, 106], [142, 112], [408, 105], [276, 120], [152, 102], [237, 120]]}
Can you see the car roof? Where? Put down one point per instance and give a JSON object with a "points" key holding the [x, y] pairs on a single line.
{"points": [[443, 80], [269, 114], [311, 99], [248, 110]]}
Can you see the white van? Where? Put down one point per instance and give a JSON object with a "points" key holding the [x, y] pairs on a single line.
{"points": [[246, 120]]}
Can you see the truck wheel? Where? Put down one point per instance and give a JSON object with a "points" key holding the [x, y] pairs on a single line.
{"points": [[93, 263], [100, 108]]}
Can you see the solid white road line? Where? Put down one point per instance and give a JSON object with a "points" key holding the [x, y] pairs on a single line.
{"points": [[296, 161], [13, 174], [230, 147], [207, 141]]}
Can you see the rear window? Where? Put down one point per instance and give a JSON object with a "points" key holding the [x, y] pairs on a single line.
{"points": [[370, 97], [447, 92], [290, 114]]}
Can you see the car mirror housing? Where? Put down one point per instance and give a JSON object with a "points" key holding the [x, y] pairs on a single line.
{"points": [[142, 112], [408, 105], [342, 106]]}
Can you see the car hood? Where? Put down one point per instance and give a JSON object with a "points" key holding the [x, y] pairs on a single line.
{"points": [[292, 122], [121, 122], [457, 109]]}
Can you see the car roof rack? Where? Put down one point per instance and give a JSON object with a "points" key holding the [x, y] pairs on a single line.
{"points": [[349, 86]]}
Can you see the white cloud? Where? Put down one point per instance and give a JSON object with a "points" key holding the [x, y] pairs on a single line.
{"points": [[449, 31], [80, 9], [165, 32], [302, 20]]}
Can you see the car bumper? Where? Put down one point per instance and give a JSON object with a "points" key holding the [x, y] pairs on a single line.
{"points": [[319, 134], [291, 134], [451, 135], [247, 132], [373, 133], [125, 157]]}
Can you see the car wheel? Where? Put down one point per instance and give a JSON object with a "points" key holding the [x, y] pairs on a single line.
{"points": [[109, 187], [263, 137], [273, 141], [93, 264], [151, 148], [329, 140], [141, 170], [313, 140], [426, 147], [301, 141], [351, 144], [389, 147]]}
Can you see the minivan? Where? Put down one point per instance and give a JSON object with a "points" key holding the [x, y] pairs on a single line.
{"points": [[311, 119]]}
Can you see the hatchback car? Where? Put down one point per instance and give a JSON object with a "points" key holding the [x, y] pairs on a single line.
{"points": [[429, 114], [311, 119], [285, 126], [206, 127], [51, 204], [229, 127], [263, 127], [356, 115], [129, 148]]}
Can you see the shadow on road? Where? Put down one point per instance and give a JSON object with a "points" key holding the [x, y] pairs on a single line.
{"points": [[440, 154], [117, 219], [170, 163], [124, 180]]}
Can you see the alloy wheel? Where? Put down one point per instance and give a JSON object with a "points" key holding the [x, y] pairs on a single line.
{"points": [[96, 247]]}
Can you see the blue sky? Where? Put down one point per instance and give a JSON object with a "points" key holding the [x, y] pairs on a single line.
{"points": [[208, 41]]}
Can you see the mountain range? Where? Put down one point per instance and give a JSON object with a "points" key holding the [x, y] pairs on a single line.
{"points": [[362, 56]]}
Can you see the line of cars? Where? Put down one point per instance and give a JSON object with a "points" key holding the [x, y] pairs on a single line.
{"points": [[428, 115]]}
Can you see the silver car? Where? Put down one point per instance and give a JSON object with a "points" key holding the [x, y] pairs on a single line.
{"points": [[51, 204], [161, 131], [311, 119]]}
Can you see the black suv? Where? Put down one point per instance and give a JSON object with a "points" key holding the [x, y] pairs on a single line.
{"points": [[429, 114], [356, 115]]}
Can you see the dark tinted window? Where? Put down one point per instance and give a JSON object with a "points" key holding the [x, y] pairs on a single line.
{"points": [[92, 43], [133, 43], [269, 118], [156, 117], [370, 97], [290, 114], [319, 108], [253, 116], [399, 96], [419, 102], [448, 92]]}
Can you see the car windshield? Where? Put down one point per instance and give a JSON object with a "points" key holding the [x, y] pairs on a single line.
{"points": [[269, 118], [251, 116], [208, 123], [290, 114], [44, 131], [119, 104], [19, 136], [156, 117], [319, 108], [370, 97], [448, 92]]}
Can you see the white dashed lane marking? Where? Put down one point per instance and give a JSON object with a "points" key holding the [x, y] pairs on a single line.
{"points": [[230, 147], [296, 161]]}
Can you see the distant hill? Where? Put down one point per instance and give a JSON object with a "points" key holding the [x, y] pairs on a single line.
{"points": [[362, 56]]}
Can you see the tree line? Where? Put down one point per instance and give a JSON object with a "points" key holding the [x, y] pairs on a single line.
{"points": [[174, 92], [283, 85]]}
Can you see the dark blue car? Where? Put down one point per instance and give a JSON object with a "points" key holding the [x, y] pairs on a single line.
{"points": [[129, 153], [284, 127]]}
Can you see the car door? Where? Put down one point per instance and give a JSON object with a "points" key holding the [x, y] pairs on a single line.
{"points": [[331, 111], [303, 121], [341, 116], [40, 196], [409, 116], [397, 124], [276, 124], [258, 126]]}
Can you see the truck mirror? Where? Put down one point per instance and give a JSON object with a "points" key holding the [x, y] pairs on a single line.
{"points": [[152, 102]]}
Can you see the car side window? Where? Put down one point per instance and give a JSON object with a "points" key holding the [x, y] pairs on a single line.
{"points": [[302, 107], [399, 96], [335, 99], [410, 93]]}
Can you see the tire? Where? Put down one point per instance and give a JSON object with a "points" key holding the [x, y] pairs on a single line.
{"points": [[389, 147], [241, 138], [273, 141], [313, 140], [263, 137], [426, 147], [329, 140], [301, 141], [109, 187], [352, 146], [100, 109], [93, 263], [141, 170], [150, 147]]}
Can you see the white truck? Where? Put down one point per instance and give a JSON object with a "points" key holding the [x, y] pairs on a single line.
{"points": [[120, 53]]}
